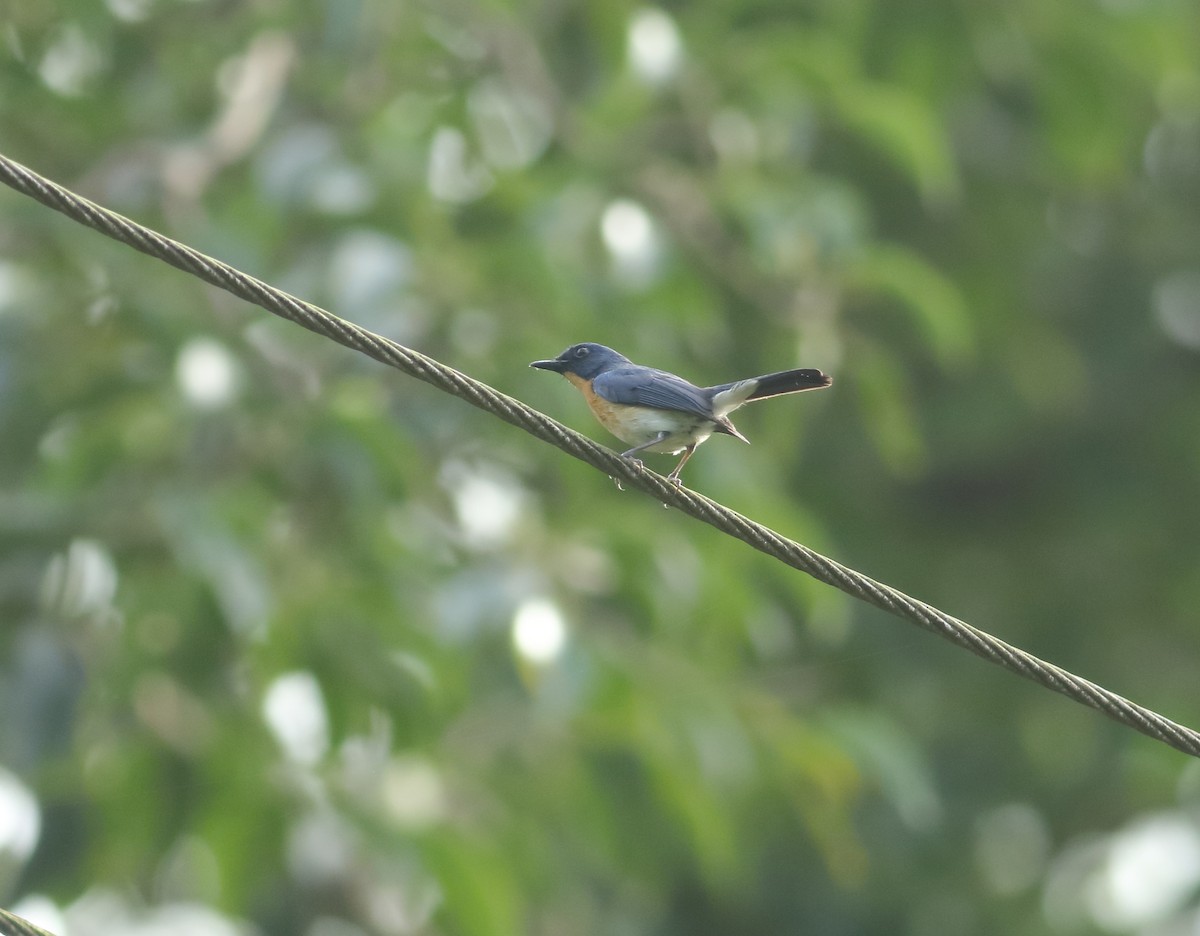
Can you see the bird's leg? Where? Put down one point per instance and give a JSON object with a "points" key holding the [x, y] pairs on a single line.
{"points": [[645, 445], [638, 448], [673, 477]]}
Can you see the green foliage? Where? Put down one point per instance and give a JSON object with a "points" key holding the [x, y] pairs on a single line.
{"points": [[275, 618]]}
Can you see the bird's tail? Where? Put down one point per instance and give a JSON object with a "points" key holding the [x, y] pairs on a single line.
{"points": [[729, 397], [791, 381]]}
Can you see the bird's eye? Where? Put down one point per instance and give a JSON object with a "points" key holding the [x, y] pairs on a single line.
{"points": [[581, 352]]}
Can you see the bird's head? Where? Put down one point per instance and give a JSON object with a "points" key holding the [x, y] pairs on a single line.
{"points": [[587, 360]]}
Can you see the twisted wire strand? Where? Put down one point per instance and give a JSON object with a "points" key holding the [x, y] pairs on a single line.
{"points": [[626, 471], [13, 925]]}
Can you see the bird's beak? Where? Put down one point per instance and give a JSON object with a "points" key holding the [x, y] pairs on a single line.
{"points": [[557, 366]]}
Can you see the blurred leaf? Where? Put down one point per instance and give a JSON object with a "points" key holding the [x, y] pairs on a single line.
{"points": [[933, 300], [907, 131], [887, 408], [887, 755]]}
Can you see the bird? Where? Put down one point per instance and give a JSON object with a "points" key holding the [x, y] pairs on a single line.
{"points": [[656, 411]]}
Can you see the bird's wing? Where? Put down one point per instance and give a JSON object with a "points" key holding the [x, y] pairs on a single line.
{"points": [[644, 386]]}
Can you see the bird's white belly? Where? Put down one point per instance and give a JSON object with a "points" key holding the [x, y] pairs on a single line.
{"points": [[637, 426]]}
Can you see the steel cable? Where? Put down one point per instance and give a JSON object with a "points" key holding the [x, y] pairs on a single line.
{"points": [[13, 925], [624, 470]]}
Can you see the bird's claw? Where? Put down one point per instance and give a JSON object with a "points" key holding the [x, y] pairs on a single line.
{"points": [[617, 481]]}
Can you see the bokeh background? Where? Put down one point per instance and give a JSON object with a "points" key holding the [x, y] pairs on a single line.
{"points": [[293, 644]]}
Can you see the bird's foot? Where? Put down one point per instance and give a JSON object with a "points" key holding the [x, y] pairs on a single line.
{"points": [[617, 481]]}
